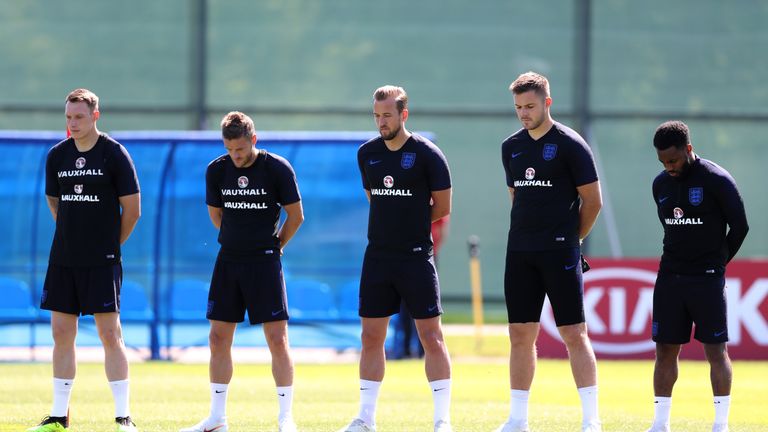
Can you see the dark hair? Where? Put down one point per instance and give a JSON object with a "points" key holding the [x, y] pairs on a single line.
{"points": [[388, 91], [236, 125], [84, 95], [530, 81], [671, 134]]}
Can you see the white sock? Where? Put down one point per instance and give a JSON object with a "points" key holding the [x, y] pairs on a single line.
{"points": [[588, 397], [722, 406], [518, 406], [661, 407], [218, 401], [120, 393], [62, 390], [369, 393], [285, 400], [441, 397]]}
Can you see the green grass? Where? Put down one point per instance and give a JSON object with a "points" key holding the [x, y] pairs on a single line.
{"points": [[167, 396]]}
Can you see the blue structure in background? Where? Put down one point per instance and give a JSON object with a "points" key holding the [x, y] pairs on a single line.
{"points": [[169, 258]]}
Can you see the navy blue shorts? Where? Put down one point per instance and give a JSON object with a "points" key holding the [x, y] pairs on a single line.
{"points": [[679, 301], [384, 282], [257, 286], [82, 290], [530, 275]]}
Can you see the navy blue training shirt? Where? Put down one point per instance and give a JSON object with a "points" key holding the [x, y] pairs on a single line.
{"points": [[89, 186], [251, 199], [401, 184], [694, 210], [544, 174]]}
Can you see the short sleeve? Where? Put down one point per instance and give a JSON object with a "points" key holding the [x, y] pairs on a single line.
{"points": [[361, 166], [212, 182], [582, 164], [51, 179], [125, 179], [505, 163], [285, 181], [439, 175]]}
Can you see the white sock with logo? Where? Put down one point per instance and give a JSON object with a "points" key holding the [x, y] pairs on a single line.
{"points": [[62, 390], [120, 392], [441, 397], [588, 397], [285, 400], [722, 406], [218, 401], [662, 406], [518, 406], [369, 394]]}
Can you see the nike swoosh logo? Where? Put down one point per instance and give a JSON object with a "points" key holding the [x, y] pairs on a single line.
{"points": [[109, 304], [662, 199], [514, 155], [281, 394], [277, 313], [214, 429], [437, 390], [432, 308], [217, 391], [373, 162], [718, 334], [570, 267]]}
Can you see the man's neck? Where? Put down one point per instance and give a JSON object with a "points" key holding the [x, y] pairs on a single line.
{"points": [[399, 141], [87, 142], [542, 130]]}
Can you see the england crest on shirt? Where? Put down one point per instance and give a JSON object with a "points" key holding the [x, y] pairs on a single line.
{"points": [[407, 160], [549, 152], [695, 195]]}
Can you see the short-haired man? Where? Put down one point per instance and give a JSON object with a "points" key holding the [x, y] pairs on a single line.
{"points": [[93, 194], [556, 198], [696, 201], [408, 184], [245, 191]]}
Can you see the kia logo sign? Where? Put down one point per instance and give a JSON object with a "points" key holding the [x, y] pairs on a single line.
{"points": [[618, 306]]}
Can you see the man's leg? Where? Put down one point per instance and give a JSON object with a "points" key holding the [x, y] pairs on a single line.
{"points": [[721, 376], [372, 365], [522, 366], [64, 330], [115, 359], [665, 372], [220, 367], [276, 333], [437, 365], [583, 368]]}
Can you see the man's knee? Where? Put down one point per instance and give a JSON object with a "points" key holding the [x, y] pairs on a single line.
{"points": [[219, 340], [575, 336], [432, 339], [111, 338]]}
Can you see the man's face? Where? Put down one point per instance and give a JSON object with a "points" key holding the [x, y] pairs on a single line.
{"points": [[81, 121], [389, 120], [676, 161], [531, 109], [241, 150]]}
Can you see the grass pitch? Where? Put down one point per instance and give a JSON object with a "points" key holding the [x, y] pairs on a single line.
{"points": [[168, 396]]}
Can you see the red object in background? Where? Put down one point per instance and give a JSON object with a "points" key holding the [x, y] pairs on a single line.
{"points": [[439, 232], [69, 134], [618, 302]]}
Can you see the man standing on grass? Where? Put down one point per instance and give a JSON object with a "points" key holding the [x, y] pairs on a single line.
{"points": [[245, 192], [555, 201], [696, 201], [93, 194], [407, 181]]}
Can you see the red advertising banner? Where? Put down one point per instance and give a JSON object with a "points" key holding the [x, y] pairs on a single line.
{"points": [[618, 302]]}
